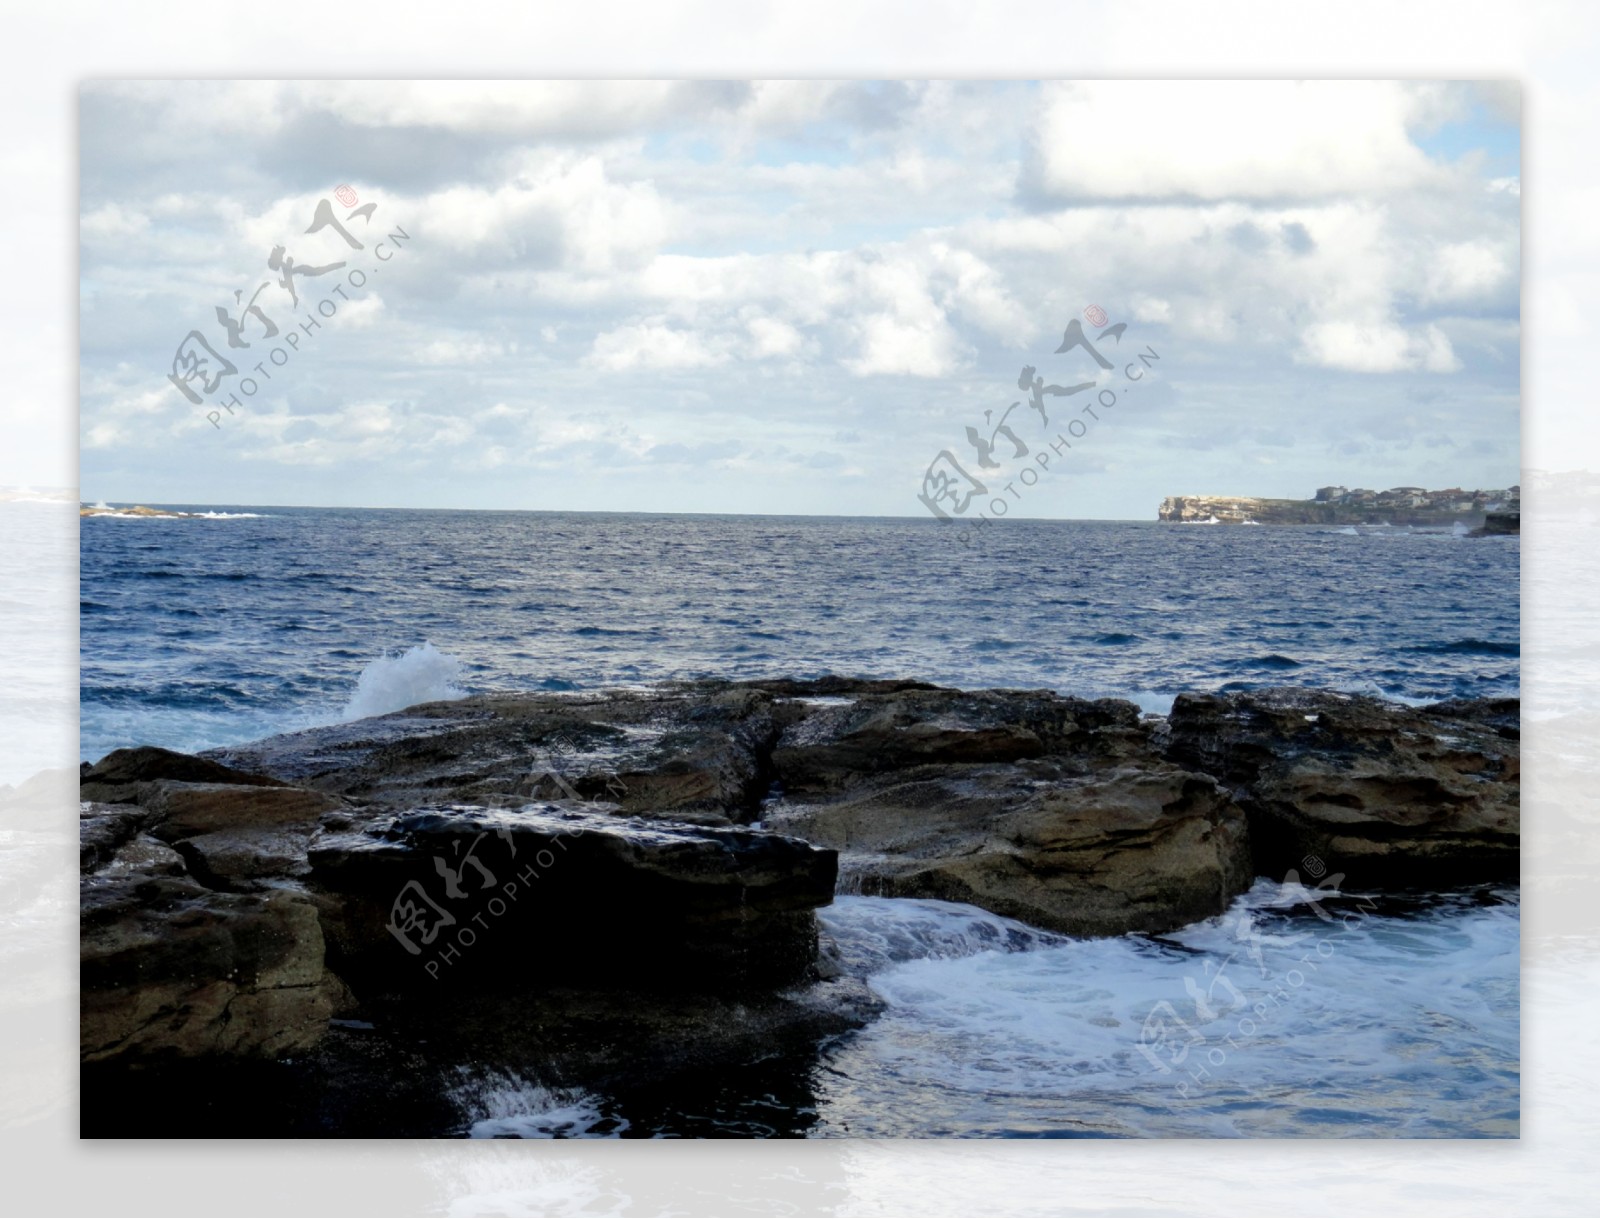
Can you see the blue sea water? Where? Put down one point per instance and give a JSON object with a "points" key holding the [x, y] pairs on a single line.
{"points": [[1404, 1019], [209, 631]]}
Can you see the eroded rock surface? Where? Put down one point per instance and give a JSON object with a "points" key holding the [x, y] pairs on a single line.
{"points": [[668, 849], [691, 753], [171, 968], [118, 777], [1056, 811], [224, 907], [1388, 795]]}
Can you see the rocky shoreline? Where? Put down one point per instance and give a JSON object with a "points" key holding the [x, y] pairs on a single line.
{"points": [[621, 887], [1408, 506]]}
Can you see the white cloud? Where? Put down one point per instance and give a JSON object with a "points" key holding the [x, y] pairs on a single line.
{"points": [[1215, 140], [360, 313], [103, 436], [459, 349], [1467, 271], [562, 210], [1261, 235], [1378, 348], [111, 221], [771, 337], [654, 345], [571, 108]]}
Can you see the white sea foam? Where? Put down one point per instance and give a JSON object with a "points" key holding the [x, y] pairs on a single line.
{"points": [[503, 1105], [104, 511], [1372, 689], [874, 933], [422, 674], [1292, 1024]]}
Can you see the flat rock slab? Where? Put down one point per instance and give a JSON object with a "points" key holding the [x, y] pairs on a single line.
{"points": [[120, 775], [529, 898], [687, 753], [833, 747]]}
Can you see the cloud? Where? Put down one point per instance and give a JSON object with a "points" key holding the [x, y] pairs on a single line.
{"points": [[111, 221], [1468, 271], [613, 279], [1378, 348], [1215, 140], [459, 349], [654, 345], [549, 108], [561, 211]]}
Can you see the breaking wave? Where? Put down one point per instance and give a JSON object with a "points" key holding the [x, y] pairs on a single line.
{"points": [[422, 674]]}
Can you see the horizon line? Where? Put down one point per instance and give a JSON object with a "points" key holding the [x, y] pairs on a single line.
{"points": [[843, 516]]}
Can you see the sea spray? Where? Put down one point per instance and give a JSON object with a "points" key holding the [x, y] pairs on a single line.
{"points": [[1296, 1025], [422, 674]]}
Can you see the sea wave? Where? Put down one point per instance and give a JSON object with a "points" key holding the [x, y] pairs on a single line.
{"points": [[422, 674]]}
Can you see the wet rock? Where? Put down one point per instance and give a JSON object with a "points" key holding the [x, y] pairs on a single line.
{"points": [[689, 753], [103, 829], [1498, 524], [1388, 795], [176, 959], [548, 895], [1053, 810], [170, 968], [425, 1067], [534, 854], [117, 777], [143, 855], [235, 836], [1080, 842], [837, 746], [183, 810]]}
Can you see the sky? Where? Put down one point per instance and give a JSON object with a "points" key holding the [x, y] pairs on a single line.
{"points": [[795, 296]]}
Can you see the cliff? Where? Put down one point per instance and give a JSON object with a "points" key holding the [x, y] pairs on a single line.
{"points": [[1412, 507]]}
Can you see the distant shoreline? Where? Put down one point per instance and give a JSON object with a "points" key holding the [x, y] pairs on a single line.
{"points": [[1337, 506]]}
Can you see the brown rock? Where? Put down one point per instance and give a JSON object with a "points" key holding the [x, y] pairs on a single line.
{"points": [[836, 746], [117, 777], [1388, 795], [234, 836], [1113, 850], [692, 753], [171, 968], [184, 810]]}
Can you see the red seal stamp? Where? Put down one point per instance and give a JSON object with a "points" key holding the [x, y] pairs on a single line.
{"points": [[1096, 315], [347, 197]]}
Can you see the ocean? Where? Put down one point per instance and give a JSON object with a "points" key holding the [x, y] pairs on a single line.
{"points": [[213, 630], [210, 631]]}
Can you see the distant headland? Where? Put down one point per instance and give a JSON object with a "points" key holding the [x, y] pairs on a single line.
{"points": [[138, 510], [1496, 510]]}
